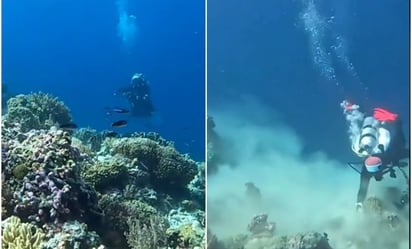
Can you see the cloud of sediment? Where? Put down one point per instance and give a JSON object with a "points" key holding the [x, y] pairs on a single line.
{"points": [[299, 192]]}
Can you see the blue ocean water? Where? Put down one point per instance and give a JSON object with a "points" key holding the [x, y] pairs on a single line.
{"points": [[73, 50], [302, 58]]}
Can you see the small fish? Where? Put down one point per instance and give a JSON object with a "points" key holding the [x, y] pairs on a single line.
{"points": [[118, 110], [119, 123], [143, 165], [68, 126]]}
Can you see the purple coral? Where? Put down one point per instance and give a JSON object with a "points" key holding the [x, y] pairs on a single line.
{"points": [[45, 197]]}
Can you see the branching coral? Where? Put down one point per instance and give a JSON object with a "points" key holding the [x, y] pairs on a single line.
{"points": [[18, 235], [148, 236]]}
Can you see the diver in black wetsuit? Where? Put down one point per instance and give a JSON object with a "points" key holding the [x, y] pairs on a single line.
{"points": [[378, 164], [139, 97], [382, 143]]}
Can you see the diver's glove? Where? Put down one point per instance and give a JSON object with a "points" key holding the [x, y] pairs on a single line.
{"points": [[359, 207]]}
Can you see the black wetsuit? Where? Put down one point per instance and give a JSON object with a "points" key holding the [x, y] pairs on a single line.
{"points": [[396, 151], [139, 97]]}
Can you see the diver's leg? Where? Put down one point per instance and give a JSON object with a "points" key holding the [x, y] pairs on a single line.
{"points": [[363, 186]]}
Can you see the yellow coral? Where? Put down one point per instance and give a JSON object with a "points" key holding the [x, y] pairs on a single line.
{"points": [[18, 235]]}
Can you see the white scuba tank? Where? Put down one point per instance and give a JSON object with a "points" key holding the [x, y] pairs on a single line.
{"points": [[369, 135], [384, 138], [372, 138]]}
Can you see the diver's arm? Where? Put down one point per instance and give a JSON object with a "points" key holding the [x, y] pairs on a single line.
{"points": [[363, 186]]}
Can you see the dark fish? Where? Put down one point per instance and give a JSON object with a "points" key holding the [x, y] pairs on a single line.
{"points": [[119, 123], [68, 126]]}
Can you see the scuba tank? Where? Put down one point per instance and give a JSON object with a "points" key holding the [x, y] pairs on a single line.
{"points": [[368, 139]]}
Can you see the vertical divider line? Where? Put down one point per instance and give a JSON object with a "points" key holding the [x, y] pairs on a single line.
{"points": [[206, 94]]}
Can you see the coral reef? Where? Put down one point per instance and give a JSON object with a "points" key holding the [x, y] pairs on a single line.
{"points": [[43, 172], [92, 138], [74, 235], [94, 190], [116, 209], [168, 169], [198, 184], [37, 111], [104, 174], [186, 228], [150, 236]]}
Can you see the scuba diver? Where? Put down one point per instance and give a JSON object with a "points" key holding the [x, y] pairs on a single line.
{"points": [[380, 142], [139, 97]]}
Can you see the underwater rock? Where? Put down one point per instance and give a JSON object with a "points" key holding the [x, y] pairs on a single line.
{"points": [[218, 149], [378, 227], [374, 210], [213, 139], [310, 240], [262, 237], [253, 193], [260, 227]]}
